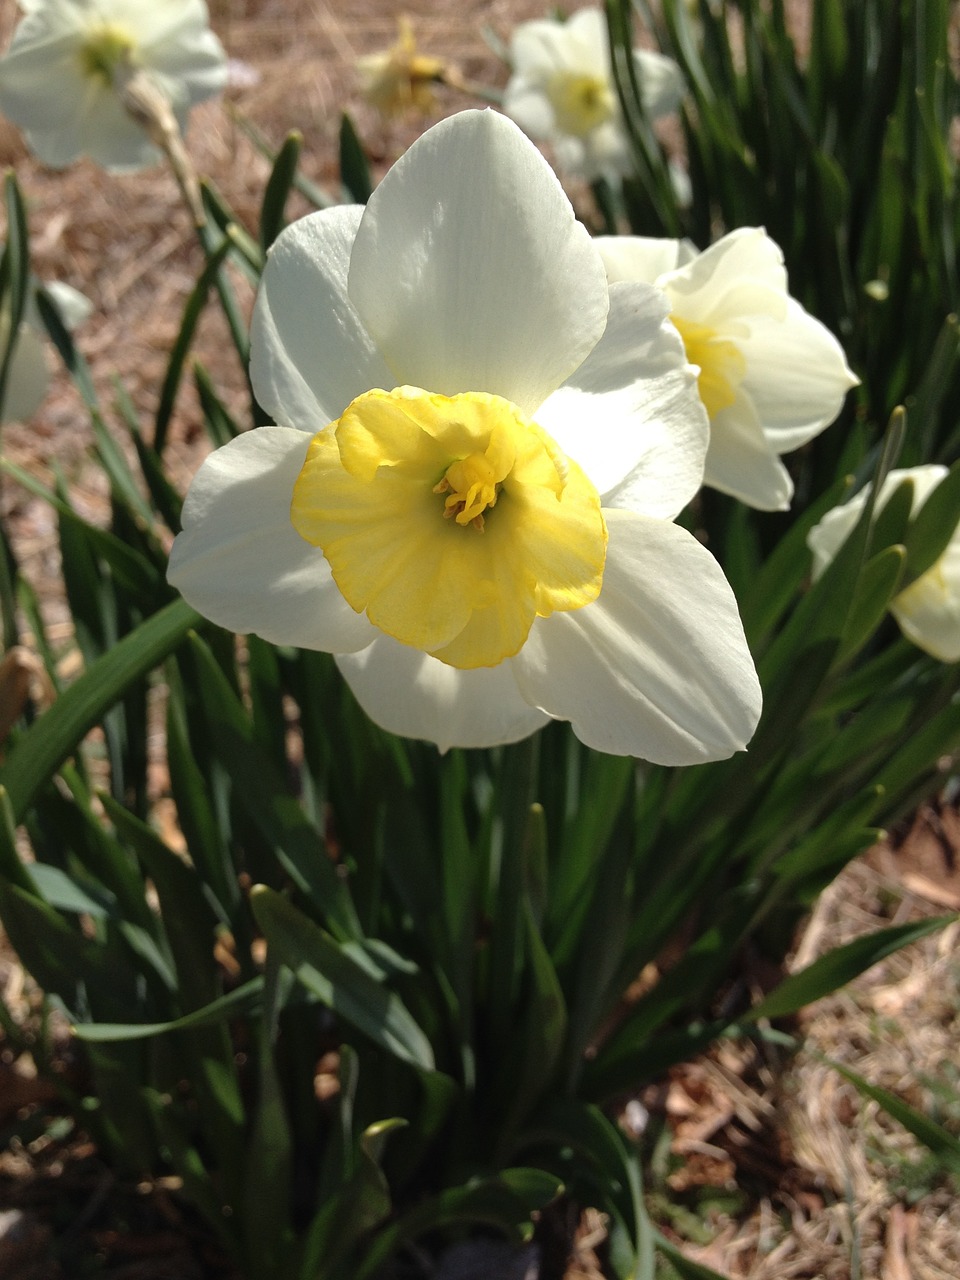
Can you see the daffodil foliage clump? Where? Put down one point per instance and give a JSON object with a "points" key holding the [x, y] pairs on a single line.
{"points": [[578, 595]]}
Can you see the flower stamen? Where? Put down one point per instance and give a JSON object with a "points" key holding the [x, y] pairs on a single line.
{"points": [[472, 486]]}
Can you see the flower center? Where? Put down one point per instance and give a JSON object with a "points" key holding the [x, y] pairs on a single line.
{"points": [[472, 485], [580, 102], [721, 362], [107, 47], [367, 497]]}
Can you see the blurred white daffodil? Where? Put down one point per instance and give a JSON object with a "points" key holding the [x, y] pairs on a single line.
{"points": [[65, 77], [29, 375], [469, 498], [928, 609], [400, 79], [562, 92], [771, 376]]}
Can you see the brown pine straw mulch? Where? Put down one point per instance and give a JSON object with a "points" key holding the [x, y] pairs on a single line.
{"points": [[818, 1185]]}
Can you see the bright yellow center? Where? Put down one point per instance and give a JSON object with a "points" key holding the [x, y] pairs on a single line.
{"points": [[107, 47], [721, 362], [580, 102], [451, 521]]}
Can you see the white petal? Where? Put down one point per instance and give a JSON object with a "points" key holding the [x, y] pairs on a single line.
{"points": [[28, 376], [742, 462], [657, 666], [168, 22], [108, 135], [416, 696], [797, 377], [929, 610], [187, 51], [827, 537], [470, 270], [748, 253], [529, 107], [606, 153], [543, 46], [643, 258], [631, 415], [39, 55], [240, 562], [661, 82], [310, 354], [587, 28], [73, 306]]}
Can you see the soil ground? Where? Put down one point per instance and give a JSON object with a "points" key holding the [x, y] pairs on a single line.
{"points": [[769, 1166]]}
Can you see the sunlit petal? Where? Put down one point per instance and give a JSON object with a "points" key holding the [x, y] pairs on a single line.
{"points": [[239, 560], [671, 677], [471, 289], [630, 414], [417, 696], [309, 353]]}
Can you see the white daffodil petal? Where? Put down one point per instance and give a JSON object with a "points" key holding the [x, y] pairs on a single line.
{"points": [[309, 353], [928, 611], [185, 50], [542, 46], [240, 562], [527, 105], [643, 258], [62, 77], [741, 461], [661, 82], [49, 120], [73, 306], [158, 23], [747, 253], [588, 28], [827, 536], [631, 416], [416, 696], [28, 376], [462, 286], [797, 377], [111, 137], [657, 666]]}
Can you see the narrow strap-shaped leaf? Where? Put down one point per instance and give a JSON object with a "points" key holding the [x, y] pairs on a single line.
{"points": [[354, 169], [260, 789], [14, 275], [933, 1136], [54, 737], [178, 354], [242, 1000], [339, 981], [840, 966], [282, 175]]}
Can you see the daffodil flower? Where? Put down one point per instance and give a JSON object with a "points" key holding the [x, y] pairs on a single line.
{"points": [[771, 376], [562, 92], [469, 496], [399, 79], [928, 609], [62, 78], [29, 376]]}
